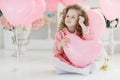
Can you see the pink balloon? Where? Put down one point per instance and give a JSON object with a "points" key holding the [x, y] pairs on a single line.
{"points": [[96, 23], [37, 11], [82, 52], [51, 5], [16, 10], [110, 8], [71, 2]]}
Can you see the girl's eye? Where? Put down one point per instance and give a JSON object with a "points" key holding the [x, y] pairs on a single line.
{"points": [[73, 17], [67, 16]]}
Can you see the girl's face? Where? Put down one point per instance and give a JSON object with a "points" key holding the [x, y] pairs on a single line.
{"points": [[71, 19]]}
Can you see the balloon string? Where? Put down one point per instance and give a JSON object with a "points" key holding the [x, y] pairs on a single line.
{"points": [[106, 66], [18, 39], [112, 42], [49, 31]]}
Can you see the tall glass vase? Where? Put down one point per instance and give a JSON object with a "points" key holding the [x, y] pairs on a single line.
{"points": [[20, 39]]}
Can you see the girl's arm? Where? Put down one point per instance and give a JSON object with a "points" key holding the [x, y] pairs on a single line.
{"points": [[87, 33], [60, 41], [56, 48]]}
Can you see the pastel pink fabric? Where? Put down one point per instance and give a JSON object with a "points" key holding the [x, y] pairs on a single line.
{"points": [[58, 36]]}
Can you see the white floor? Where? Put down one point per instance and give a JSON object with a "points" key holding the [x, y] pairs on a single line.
{"points": [[36, 65]]}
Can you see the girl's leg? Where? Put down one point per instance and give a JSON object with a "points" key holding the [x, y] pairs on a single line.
{"points": [[69, 68], [59, 71], [56, 62]]}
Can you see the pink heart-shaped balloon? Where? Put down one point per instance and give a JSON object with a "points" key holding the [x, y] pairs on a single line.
{"points": [[22, 12], [82, 52], [71, 2], [36, 12], [110, 8], [16, 10], [51, 5], [96, 23]]}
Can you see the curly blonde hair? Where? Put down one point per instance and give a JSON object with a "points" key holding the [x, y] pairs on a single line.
{"points": [[81, 12]]}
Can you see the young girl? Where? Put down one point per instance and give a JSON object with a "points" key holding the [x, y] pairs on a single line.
{"points": [[75, 21]]}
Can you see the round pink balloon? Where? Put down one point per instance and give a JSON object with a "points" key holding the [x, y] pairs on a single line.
{"points": [[110, 8], [51, 5], [16, 10], [82, 52], [96, 23], [71, 2], [37, 11]]}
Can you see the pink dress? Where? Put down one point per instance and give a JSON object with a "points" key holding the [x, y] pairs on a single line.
{"points": [[58, 36]]}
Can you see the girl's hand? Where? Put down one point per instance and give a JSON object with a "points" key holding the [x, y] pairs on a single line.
{"points": [[84, 27], [81, 20], [62, 43]]}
